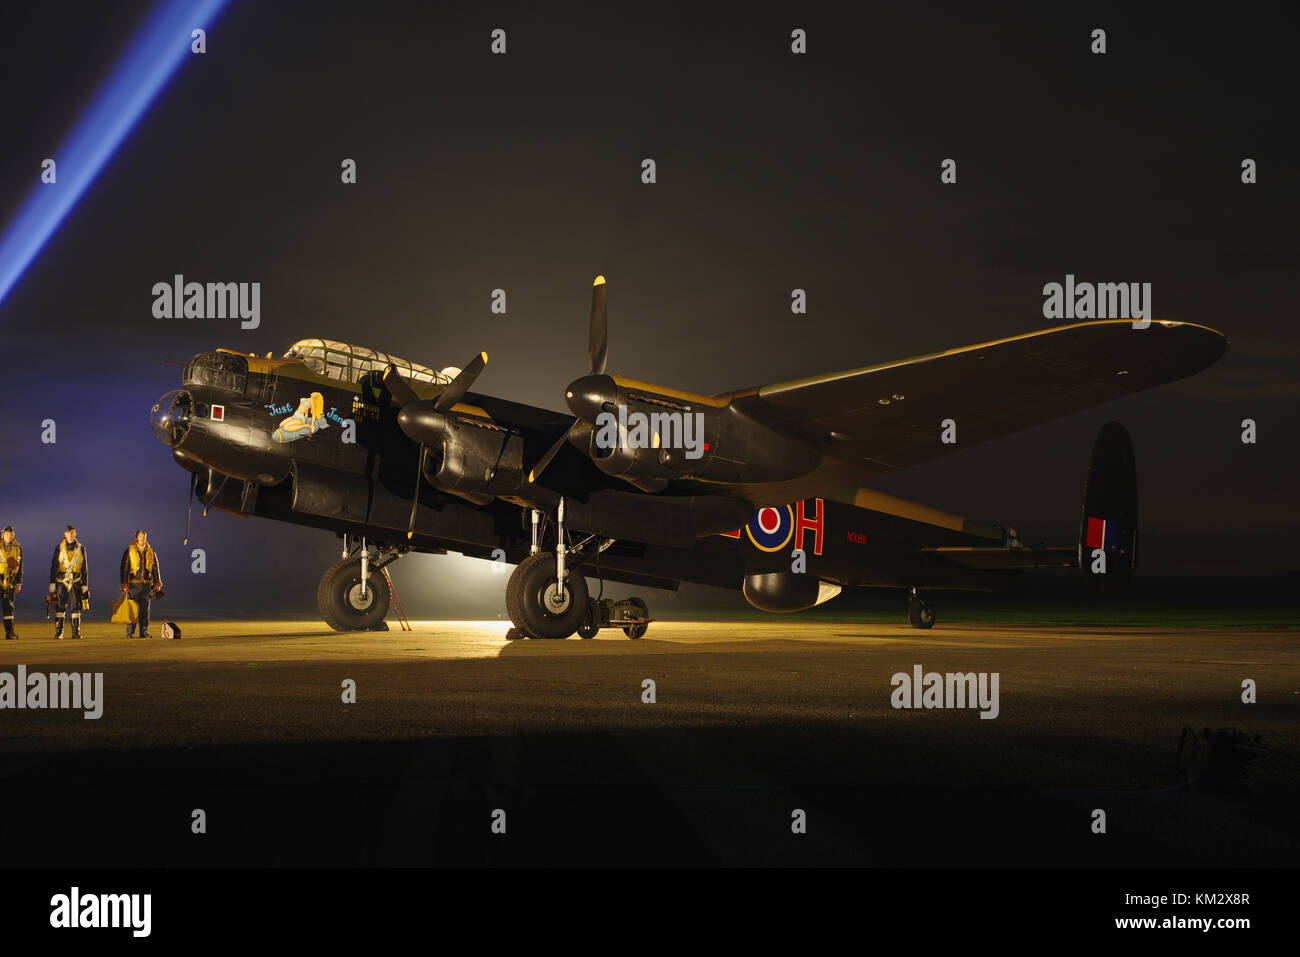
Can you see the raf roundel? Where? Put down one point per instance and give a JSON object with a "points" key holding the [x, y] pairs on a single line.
{"points": [[771, 528]]}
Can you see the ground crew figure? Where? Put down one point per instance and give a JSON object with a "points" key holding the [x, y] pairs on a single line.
{"points": [[70, 582], [11, 577], [141, 579]]}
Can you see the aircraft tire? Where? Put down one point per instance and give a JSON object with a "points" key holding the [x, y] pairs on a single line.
{"points": [[638, 631], [526, 598], [588, 628], [513, 611], [920, 615], [339, 597]]}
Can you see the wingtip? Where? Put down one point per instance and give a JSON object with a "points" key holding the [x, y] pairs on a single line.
{"points": [[1214, 337]]}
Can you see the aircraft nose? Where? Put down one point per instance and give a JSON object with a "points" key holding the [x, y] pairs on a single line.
{"points": [[170, 417], [588, 396]]}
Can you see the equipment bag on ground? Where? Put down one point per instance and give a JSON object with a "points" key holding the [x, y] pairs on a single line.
{"points": [[126, 611]]}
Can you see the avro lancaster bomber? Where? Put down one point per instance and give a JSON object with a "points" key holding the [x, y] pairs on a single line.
{"points": [[760, 489]]}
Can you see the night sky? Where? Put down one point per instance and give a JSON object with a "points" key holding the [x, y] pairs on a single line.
{"points": [[775, 172]]}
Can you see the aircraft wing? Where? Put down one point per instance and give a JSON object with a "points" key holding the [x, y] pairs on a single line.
{"points": [[870, 421]]}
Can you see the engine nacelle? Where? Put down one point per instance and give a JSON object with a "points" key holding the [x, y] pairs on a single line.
{"points": [[787, 591], [630, 439], [477, 461], [649, 438]]}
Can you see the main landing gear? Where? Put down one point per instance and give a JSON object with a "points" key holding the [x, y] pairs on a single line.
{"points": [[542, 605], [352, 595], [547, 595], [919, 612]]}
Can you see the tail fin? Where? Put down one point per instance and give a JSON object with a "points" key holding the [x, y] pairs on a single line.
{"points": [[1108, 521]]}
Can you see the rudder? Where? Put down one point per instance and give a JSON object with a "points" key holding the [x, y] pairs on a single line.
{"points": [[1109, 518]]}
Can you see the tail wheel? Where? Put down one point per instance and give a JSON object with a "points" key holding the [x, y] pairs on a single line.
{"points": [[538, 605], [919, 614], [588, 628], [638, 630], [342, 602]]}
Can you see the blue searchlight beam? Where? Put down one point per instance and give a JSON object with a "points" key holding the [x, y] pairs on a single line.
{"points": [[150, 58]]}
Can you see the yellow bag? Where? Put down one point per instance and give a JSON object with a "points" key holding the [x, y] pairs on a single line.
{"points": [[125, 610]]}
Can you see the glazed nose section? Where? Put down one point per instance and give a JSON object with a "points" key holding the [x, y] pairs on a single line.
{"points": [[170, 417], [588, 396]]}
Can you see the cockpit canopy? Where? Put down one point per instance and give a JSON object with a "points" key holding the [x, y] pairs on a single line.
{"points": [[220, 370], [339, 360]]}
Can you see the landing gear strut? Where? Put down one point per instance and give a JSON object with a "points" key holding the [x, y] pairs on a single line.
{"points": [[919, 613], [547, 596]]}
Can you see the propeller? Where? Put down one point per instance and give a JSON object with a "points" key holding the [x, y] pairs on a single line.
{"points": [[598, 334], [424, 420], [458, 386], [215, 495], [415, 497], [189, 509], [545, 460], [597, 352], [398, 387]]}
